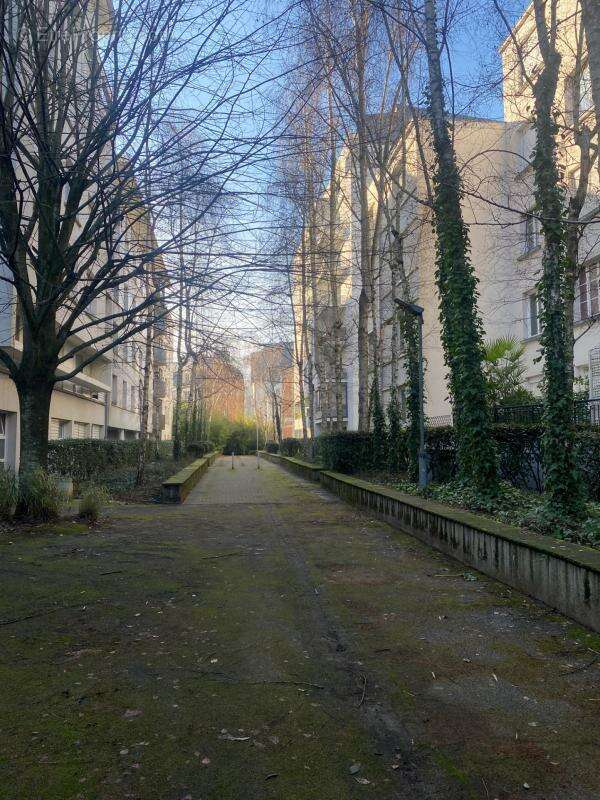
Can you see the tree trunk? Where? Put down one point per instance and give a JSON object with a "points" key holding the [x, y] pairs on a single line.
{"points": [[34, 388], [145, 409], [457, 286], [591, 24], [334, 268], [364, 300], [561, 480]]}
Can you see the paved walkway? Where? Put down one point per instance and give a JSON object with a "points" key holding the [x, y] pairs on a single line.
{"points": [[265, 641]]}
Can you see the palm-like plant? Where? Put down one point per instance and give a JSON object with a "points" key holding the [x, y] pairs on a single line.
{"points": [[504, 370]]}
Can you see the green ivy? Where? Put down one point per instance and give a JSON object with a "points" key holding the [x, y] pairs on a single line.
{"points": [[564, 488], [462, 332], [379, 428], [397, 451], [410, 334]]}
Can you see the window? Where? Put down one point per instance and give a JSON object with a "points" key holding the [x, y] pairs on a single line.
{"points": [[531, 233], [96, 431], [589, 291], [579, 93], [63, 429], [125, 394], [114, 390], [2, 440], [531, 315], [81, 430]]}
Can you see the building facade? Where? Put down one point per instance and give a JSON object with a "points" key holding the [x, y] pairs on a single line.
{"points": [[494, 158]]}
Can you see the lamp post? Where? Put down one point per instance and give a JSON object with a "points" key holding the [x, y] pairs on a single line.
{"points": [[256, 420], [417, 311]]}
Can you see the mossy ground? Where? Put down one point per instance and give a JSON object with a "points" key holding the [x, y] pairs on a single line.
{"points": [[258, 641]]}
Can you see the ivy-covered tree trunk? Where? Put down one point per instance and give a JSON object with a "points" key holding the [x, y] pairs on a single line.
{"points": [[379, 428], [410, 334], [562, 484], [396, 456], [462, 335]]}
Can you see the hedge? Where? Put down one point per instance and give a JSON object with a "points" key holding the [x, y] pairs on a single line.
{"points": [[518, 448], [347, 451], [85, 459], [291, 447]]}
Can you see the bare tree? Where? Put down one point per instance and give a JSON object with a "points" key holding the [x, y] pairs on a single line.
{"points": [[85, 86]]}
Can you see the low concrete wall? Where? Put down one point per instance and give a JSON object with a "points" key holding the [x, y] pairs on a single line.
{"points": [[176, 488], [562, 575], [305, 469]]}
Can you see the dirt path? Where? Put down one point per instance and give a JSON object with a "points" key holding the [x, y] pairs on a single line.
{"points": [[268, 642]]}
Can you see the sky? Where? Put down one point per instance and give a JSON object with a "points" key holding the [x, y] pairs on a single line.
{"points": [[476, 69]]}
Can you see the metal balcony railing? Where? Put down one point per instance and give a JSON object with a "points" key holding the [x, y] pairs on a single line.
{"points": [[585, 412]]}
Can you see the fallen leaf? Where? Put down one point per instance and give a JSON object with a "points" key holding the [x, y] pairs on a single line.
{"points": [[354, 769], [133, 712]]}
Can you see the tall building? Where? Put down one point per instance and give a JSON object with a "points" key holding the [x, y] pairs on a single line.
{"points": [[506, 248], [218, 384], [268, 390], [103, 400]]}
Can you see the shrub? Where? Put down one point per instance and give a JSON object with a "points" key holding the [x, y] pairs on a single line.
{"points": [[397, 456], [587, 456], [379, 442], [39, 495], [92, 501], [85, 459], [291, 447], [8, 493], [347, 451], [271, 447], [200, 449], [440, 444]]}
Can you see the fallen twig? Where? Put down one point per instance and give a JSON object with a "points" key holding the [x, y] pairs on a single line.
{"points": [[364, 691], [582, 667], [221, 555]]}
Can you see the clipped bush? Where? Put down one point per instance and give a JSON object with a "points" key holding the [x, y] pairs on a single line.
{"points": [[346, 451], [199, 449], [271, 447], [291, 447], [39, 495], [85, 459], [93, 499], [8, 493]]}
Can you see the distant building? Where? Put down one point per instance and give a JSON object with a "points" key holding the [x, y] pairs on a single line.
{"points": [[270, 388], [218, 384]]}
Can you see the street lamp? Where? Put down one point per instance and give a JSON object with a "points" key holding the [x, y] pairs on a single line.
{"points": [[417, 311]]}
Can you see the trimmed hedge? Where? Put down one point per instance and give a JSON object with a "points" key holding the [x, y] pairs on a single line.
{"points": [[291, 447], [271, 447], [347, 451], [200, 449], [518, 448], [86, 459]]}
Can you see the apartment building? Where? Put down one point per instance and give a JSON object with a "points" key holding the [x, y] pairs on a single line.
{"points": [[494, 158], [103, 400], [218, 384], [267, 389]]}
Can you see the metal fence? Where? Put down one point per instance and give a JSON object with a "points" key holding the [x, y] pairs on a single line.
{"points": [[586, 412]]}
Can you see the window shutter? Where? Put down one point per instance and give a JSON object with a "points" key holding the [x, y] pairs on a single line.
{"points": [[594, 362]]}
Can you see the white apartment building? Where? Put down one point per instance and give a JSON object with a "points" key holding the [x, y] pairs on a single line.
{"points": [[505, 240], [103, 399]]}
